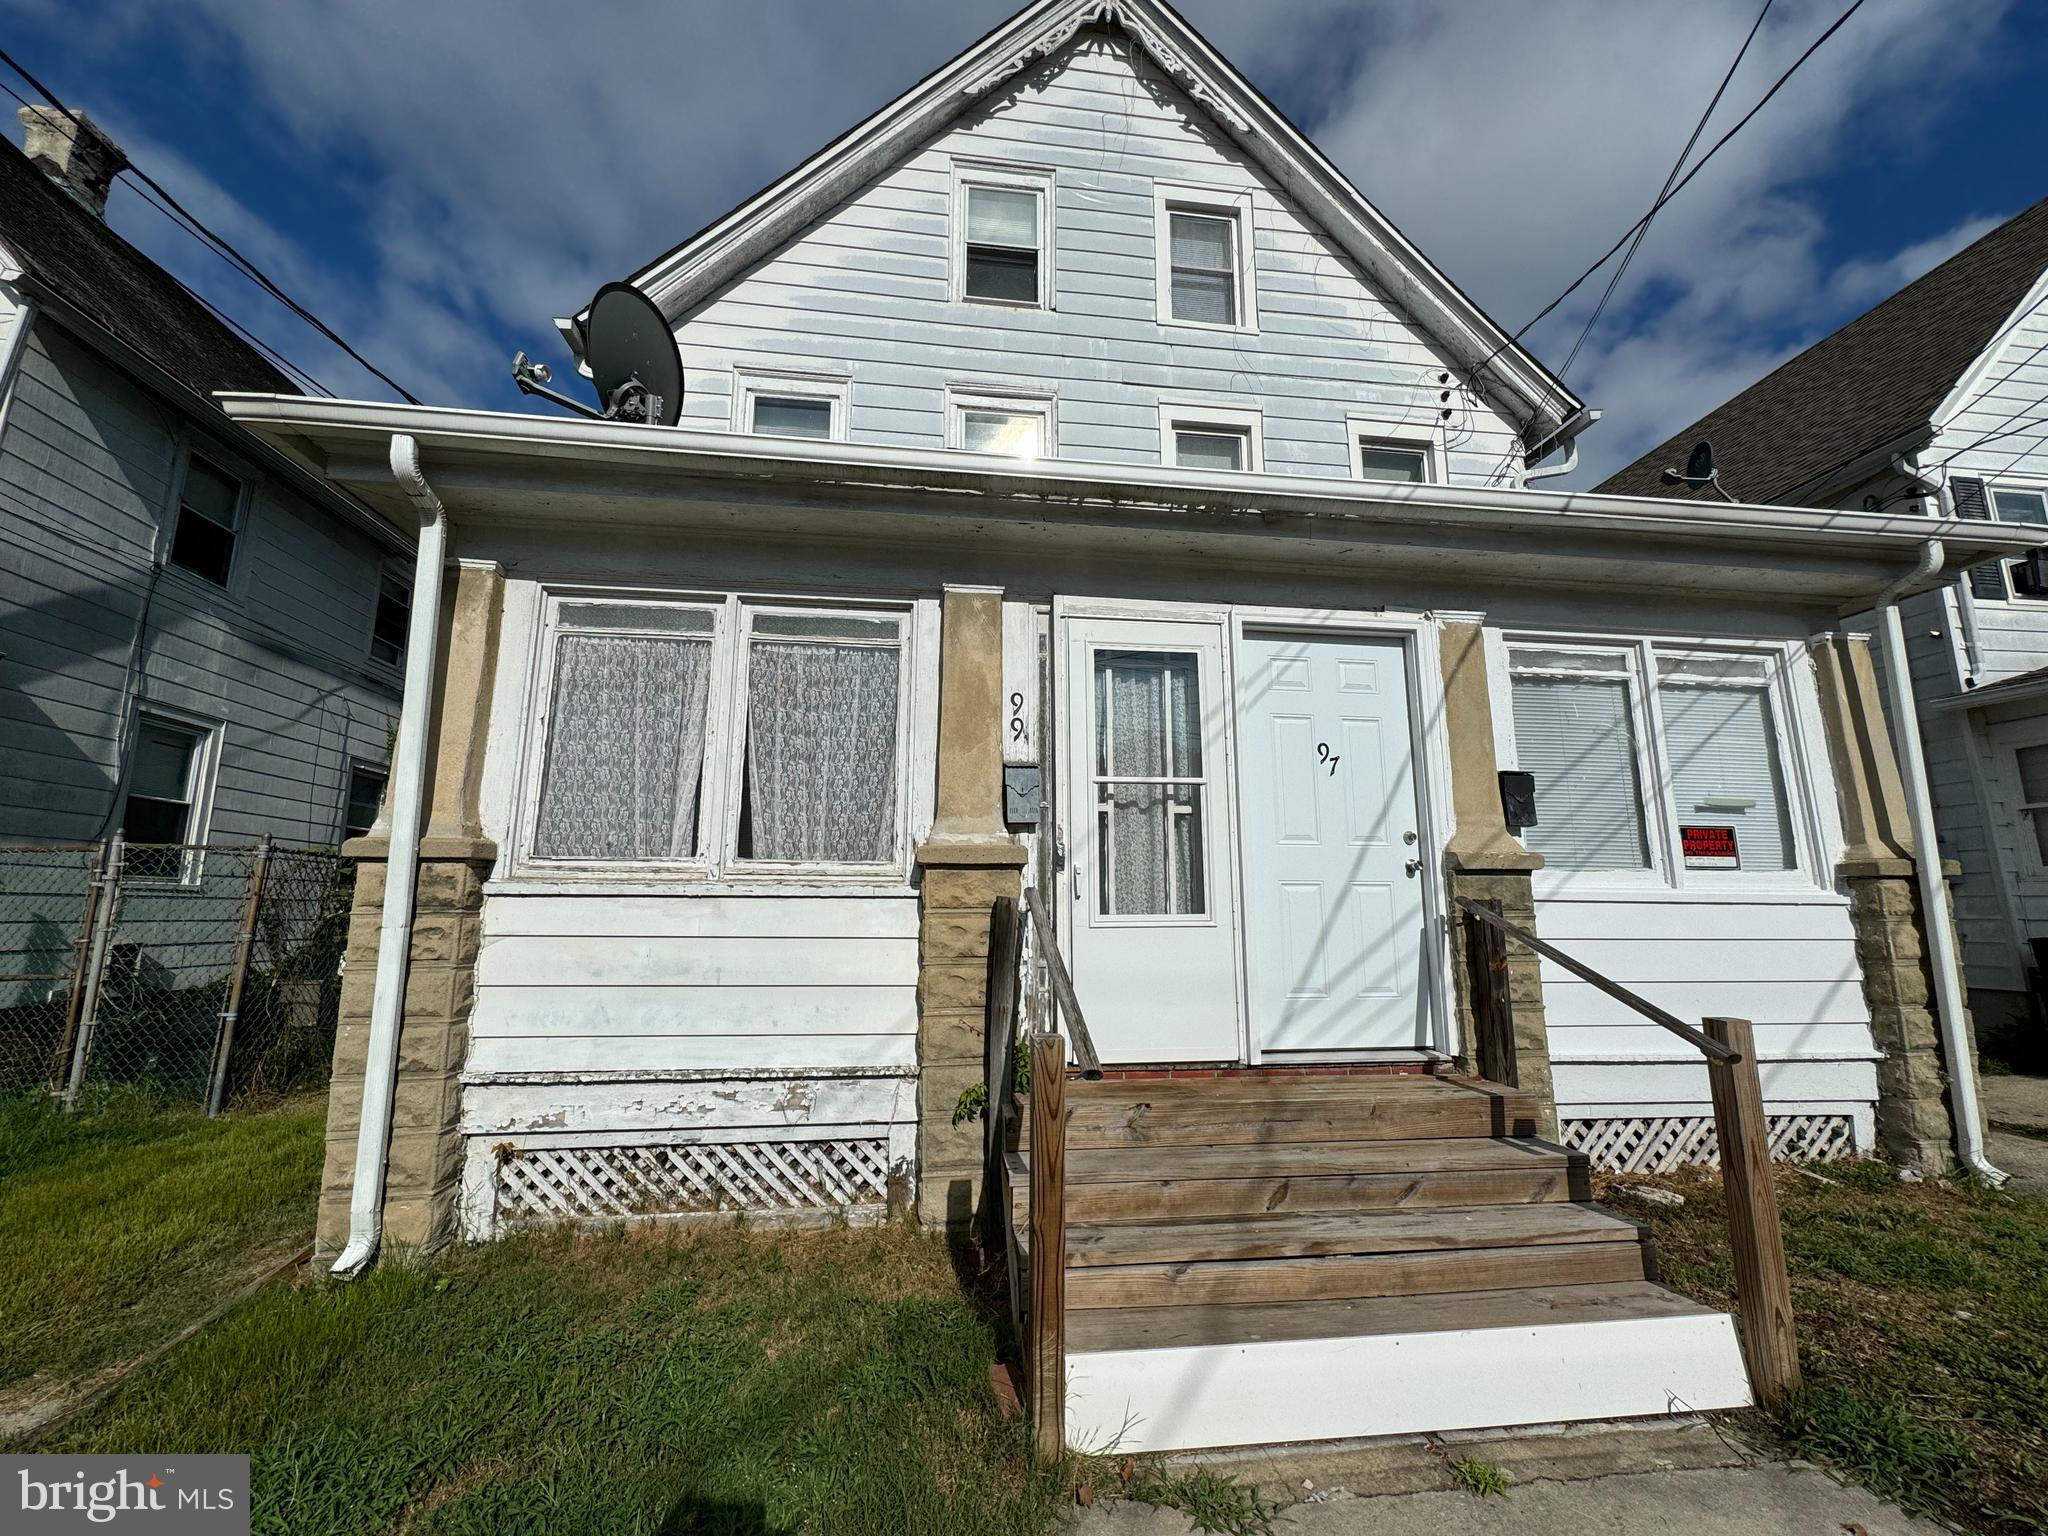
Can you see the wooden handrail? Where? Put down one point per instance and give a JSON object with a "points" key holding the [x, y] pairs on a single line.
{"points": [[1069, 1006], [1756, 1239], [1046, 1365], [1713, 1050]]}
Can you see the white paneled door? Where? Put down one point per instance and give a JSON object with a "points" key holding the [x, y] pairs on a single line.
{"points": [[1334, 865], [1152, 936]]}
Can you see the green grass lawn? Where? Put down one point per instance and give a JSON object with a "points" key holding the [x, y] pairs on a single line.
{"points": [[125, 1221], [654, 1380], [1923, 1332]]}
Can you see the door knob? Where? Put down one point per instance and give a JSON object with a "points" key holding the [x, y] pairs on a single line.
{"points": [[1414, 868], [1408, 838]]}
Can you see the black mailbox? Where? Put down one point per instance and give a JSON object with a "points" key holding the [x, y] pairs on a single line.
{"points": [[1518, 799]]}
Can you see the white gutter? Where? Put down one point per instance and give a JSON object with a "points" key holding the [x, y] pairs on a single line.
{"points": [[1966, 600], [394, 933], [1578, 424], [1934, 913], [1073, 485]]}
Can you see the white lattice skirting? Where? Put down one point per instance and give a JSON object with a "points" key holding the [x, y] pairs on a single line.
{"points": [[581, 1183], [1640, 1144]]}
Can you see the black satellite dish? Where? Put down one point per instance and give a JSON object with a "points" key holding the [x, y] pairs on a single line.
{"points": [[1699, 470], [632, 358]]}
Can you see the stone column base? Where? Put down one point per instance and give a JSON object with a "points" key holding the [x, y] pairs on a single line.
{"points": [[424, 1154], [1513, 890], [1913, 1124], [961, 883]]}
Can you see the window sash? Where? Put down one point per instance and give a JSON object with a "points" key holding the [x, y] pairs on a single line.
{"points": [[2019, 506], [1202, 269], [1017, 434], [1579, 736], [1003, 252], [786, 415], [391, 620], [747, 647], [365, 797], [1392, 461]]}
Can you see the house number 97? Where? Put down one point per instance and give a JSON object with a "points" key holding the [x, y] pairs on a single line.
{"points": [[1328, 758]]}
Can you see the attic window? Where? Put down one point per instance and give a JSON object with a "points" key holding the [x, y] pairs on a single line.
{"points": [[1203, 250], [1003, 255]]}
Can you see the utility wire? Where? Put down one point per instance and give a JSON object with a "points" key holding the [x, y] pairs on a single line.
{"points": [[1664, 192], [248, 267], [1682, 183]]}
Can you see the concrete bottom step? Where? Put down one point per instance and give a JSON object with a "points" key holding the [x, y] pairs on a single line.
{"points": [[1195, 1378]]}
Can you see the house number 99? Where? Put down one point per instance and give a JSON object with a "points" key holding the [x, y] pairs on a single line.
{"points": [[1016, 717]]}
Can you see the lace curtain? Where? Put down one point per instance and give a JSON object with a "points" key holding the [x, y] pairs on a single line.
{"points": [[625, 753], [1148, 726], [821, 752]]}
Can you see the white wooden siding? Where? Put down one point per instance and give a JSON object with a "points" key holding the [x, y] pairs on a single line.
{"points": [[87, 468], [748, 1014], [867, 288]]}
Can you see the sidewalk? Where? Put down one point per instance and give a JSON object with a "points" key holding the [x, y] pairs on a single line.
{"points": [[2016, 1109], [1680, 1480]]}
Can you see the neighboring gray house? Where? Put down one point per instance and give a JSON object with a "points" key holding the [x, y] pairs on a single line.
{"points": [[1941, 390], [199, 641]]}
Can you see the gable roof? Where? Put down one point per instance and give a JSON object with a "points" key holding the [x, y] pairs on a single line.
{"points": [[78, 257], [1489, 360], [1877, 381]]}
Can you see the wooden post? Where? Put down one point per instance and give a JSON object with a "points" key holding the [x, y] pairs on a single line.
{"points": [[74, 1006], [999, 1033], [1048, 1362], [238, 978], [1493, 1009], [1763, 1291]]}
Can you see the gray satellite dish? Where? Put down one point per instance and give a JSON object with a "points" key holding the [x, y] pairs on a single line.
{"points": [[632, 356]]}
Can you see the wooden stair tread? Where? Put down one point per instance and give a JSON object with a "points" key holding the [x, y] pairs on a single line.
{"points": [[1334, 1276], [1448, 1154], [1351, 1233], [1271, 1090], [1095, 1329]]}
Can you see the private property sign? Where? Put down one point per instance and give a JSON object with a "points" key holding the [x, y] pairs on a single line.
{"points": [[1709, 848]]}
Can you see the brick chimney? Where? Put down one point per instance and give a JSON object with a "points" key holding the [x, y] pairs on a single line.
{"points": [[76, 155]]}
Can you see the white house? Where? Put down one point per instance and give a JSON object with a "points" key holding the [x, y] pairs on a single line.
{"points": [[1081, 487], [1937, 401]]}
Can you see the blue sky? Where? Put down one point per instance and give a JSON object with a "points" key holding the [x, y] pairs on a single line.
{"points": [[439, 178]]}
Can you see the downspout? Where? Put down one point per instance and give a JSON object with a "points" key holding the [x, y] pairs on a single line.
{"points": [[1948, 990], [394, 932], [1966, 603], [1582, 420]]}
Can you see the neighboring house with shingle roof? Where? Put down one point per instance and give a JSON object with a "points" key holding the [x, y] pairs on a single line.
{"points": [[1947, 379], [199, 640]]}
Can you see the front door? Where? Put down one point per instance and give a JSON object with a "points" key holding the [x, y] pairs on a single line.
{"points": [[1152, 940], [1333, 861]]}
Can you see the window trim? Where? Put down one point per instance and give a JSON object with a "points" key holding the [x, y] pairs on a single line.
{"points": [[1394, 432], [2007, 740], [714, 863], [1177, 416], [367, 768], [229, 465], [1170, 197], [205, 772], [1007, 176], [749, 383], [1808, 830], [1013, 400], [400, 571]]}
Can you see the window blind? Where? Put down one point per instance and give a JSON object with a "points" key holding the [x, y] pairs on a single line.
{"points": [[1574, 734], [1724, 751]]}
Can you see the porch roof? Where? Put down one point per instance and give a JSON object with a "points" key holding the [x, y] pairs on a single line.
{"points": [[494, 468]]}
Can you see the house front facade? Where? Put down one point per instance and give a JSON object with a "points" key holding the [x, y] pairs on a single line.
{"points": [[1081, 491]]}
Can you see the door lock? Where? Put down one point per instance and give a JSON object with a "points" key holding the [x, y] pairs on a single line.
{"points": [[1408, 838], [1414, 868]]}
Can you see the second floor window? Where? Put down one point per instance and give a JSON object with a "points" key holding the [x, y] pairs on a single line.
{"points": [[1392, 461], [1015, 426], [1203, 259], [394, 615], [209, 509]]}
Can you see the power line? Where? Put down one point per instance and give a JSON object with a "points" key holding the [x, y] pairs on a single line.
{"points": [[1664, 193], [1683, 182], [248, 267]]}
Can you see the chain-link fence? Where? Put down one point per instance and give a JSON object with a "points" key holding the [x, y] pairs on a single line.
{"points": [[209, 973]]}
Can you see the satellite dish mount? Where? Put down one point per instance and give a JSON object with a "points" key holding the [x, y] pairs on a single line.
{"points": [[634, 362], [1699, 472]]}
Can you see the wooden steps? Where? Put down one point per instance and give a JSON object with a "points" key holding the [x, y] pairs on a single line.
{"points": [[1246, 1238]]}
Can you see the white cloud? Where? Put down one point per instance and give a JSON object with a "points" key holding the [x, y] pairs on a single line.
{"points": [[498, 159]]}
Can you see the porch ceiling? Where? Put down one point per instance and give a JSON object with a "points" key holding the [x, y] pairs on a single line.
{"points": [[511, 470]]}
